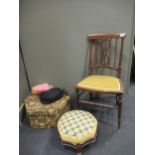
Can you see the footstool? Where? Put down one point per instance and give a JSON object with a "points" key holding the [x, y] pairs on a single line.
{"points": [[77, 128]]}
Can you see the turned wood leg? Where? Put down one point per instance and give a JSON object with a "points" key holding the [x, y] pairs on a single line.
{"points": [[79, 153], [79, 149], [119, 104], [90, 96], [78, 104]]}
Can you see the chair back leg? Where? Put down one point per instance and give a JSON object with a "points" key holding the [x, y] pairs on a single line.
{"points": [[119, 104], [90, 96], [77, 100]]}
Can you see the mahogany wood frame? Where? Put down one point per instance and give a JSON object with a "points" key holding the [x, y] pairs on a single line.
{"points": [[105, 60], [79, 147]]}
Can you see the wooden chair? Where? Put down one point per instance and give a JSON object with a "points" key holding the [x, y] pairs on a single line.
{"points": [[105, 52]]}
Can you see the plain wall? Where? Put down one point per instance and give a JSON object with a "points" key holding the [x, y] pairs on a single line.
{"points": [[53, 36]]}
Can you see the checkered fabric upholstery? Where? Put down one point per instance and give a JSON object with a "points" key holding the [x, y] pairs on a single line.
{"points": [[77, 127]]}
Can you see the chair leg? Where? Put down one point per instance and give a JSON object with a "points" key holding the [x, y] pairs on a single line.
{"points": [[90, 96], [119, 104], [78, 104]]}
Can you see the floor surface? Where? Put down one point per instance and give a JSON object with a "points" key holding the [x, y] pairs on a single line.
{"points": [[110, 141]]}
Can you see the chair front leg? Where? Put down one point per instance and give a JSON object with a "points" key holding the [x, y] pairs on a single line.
{"points": [[119, 104]]}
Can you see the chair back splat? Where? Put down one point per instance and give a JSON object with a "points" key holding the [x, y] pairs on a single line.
{"points": [[105, 52]]}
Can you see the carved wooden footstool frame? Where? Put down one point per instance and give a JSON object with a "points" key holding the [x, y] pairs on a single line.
{"points": [[79, 147]]}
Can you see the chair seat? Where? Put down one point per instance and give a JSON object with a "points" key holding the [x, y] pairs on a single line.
{"points": [[77, 127], [101, 83]]}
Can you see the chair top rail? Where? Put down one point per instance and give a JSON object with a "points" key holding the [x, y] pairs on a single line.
{"points": [[107, 36]]}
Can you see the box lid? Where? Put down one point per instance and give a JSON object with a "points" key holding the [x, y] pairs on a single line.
{"points": [[34, 107]]}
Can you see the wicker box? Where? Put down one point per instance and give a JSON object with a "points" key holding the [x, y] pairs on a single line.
{"points": [[45, 116]]}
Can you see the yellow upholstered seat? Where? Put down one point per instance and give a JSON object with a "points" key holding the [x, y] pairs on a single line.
{"points": [[101, 83], [77, 127]]}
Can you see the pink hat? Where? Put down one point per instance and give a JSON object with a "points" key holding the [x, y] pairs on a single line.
{"points": [[40, 88]]}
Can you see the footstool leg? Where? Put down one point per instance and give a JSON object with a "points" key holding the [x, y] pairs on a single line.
{"points": [[79, 149]]}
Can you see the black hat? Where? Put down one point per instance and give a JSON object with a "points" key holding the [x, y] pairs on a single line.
{"points": [[51, 95]]}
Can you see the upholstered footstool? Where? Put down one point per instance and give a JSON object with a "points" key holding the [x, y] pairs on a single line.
{"points": [[77, 128]]}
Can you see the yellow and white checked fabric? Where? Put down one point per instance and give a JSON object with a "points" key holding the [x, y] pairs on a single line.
{"points": [[100, 83], [77, 127]]}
